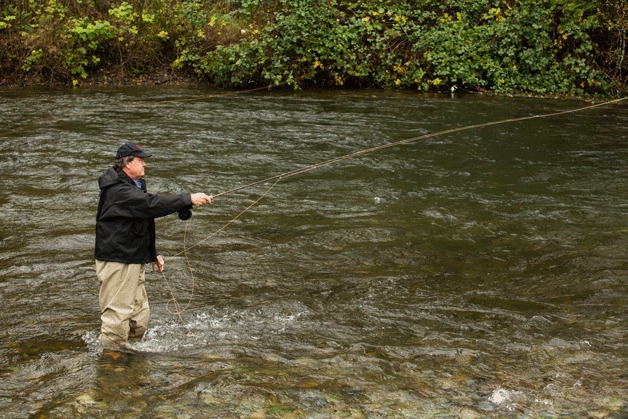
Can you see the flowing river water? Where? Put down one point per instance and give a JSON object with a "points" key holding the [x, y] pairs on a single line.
{"points": [[475, 274]]}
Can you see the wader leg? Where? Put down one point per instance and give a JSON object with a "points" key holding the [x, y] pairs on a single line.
{"points": [[120, 284], [139, 320]]}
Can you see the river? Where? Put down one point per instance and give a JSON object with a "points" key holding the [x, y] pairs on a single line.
{"points": [[475, 274]]}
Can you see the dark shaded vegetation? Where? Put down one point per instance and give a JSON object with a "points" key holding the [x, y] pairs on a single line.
{"points": [[505, 46]]}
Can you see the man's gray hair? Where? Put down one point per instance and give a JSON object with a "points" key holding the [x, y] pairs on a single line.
{"points": [[123, 161]]}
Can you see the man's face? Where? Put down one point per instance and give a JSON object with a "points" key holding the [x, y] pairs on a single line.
{"points": [[135, 168]]}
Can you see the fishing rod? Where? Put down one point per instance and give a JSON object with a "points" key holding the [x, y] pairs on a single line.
{"points": [[278, 178]]}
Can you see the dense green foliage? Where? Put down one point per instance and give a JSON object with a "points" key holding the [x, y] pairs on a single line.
{"points": [[541, 46]]}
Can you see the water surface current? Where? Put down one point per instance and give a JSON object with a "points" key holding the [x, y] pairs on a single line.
{"points": [[475, 274]]}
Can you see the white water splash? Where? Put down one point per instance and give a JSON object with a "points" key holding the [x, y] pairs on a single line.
{"points": [[508, 399], [499, 396]]}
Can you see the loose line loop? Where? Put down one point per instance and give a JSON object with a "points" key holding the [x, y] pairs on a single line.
{"points": [[173, 300]]}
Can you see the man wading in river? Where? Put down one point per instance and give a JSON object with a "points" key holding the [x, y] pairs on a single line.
{"points": [[125, 242]]}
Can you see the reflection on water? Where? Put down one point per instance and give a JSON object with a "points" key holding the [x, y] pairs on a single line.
{"points": [[475, 274]]}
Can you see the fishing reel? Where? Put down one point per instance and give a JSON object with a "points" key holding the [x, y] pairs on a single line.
{"points": [[185, 213]]}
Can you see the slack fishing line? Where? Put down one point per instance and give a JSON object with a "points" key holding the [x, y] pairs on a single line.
{"points": [[173, 300], [282, 176]]}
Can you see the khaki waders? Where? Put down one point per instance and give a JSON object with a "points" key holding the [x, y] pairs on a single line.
{"points": [[124, 309]]}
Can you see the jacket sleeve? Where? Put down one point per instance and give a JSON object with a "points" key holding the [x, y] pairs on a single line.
{"points": [[128, 201]]}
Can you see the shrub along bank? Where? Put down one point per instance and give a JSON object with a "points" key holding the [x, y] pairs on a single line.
{"points": [[539, 46]]}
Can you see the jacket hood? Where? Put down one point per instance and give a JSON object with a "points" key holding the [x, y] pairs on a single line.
{"points": [[110, 177]]}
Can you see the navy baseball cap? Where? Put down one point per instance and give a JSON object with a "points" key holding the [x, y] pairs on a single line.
{"points": [[130, 149]]}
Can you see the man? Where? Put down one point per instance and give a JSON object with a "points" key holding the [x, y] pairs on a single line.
{"points": [[125, 242]]}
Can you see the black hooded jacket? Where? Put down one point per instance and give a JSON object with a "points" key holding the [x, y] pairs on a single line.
{"points": [[125, 223]]}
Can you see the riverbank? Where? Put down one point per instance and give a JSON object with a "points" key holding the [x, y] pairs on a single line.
{"points": [[104, 80]]}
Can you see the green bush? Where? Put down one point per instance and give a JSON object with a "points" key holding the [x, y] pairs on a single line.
{"points": [[541, 46]]}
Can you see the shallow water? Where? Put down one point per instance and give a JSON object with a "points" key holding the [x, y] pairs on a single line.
{"points": [[474, 274]]}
